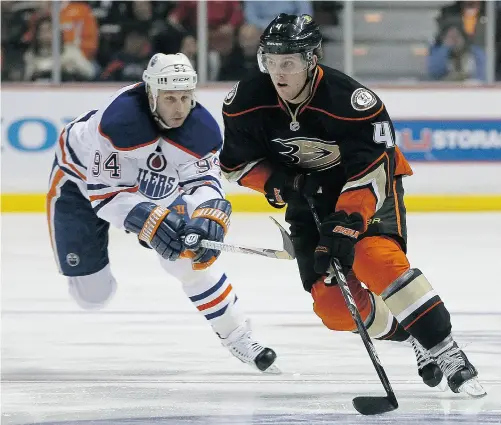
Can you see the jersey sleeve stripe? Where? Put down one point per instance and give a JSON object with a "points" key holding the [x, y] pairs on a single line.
{"points": [[345, 118], [102, 204], [236, 114], [201, 179], [377, 178], [236, 167], [94, 198], [209, 185], [155, 140], [103, 186], [72, 153], [239, 174], [65, 160]]}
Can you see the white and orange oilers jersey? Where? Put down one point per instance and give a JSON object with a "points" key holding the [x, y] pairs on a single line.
{"points": [[119, 157]]}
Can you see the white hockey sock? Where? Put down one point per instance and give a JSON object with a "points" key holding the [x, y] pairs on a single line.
{"points": [[215, 298]]}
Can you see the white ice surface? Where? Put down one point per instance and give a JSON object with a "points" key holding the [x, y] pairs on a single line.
{"points": [[150, 358]]}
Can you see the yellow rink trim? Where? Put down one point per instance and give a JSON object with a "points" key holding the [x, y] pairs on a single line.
{"points": [[35, 203]]}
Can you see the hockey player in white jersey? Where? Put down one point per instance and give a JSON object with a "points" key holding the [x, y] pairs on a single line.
{"points": [[148, 163]]}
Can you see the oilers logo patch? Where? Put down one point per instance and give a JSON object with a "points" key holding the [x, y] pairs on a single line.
{"points": [[231, 95], [156, 162], [363, 99], [153, 183]]}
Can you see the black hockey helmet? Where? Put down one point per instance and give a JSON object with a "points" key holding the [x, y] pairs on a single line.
{"points": [[292, 34]]}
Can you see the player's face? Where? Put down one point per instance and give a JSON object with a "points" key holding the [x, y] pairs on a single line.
{"points": [[288, 73], [174, 106]]}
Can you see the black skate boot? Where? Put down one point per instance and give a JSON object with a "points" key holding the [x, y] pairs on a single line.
{"points": [[461, 374], [428, 369]]}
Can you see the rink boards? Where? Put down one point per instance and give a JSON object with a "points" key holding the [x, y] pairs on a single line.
{"points": [[452, 136]]}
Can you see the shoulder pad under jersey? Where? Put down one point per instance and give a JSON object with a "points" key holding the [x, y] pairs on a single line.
{"points": [[251, 94], [199, 134], [127, 121], [342, 97]]}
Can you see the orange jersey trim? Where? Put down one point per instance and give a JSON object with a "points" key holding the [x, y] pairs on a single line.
{"points": [[360, 201], [402, 167], [125, 149], [257, 177], [397, 211], [345, 118], [236, 114], [183, 148]]}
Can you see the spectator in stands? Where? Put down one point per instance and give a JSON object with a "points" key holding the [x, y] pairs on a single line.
{"points": [[38, 59], [258, 14], [327, 12], [165, 37], [242, 60], [79, 27], [261, 13], [498, 41], [129, 64], [454, 58], [16, 16], [471, 15], [224, 20]]}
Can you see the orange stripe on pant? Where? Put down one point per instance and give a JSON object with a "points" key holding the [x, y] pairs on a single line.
{"points": [[330, 306]]}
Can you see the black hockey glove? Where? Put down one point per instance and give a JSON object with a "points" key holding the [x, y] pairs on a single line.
{"points": [[338, 236], [158, 227], [209, 221], [282, 186]]}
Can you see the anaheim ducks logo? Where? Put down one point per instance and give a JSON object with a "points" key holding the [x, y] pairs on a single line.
{"points": [[310, 153]]}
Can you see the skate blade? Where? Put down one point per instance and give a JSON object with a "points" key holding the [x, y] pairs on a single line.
{"points": [[443, 386], [472, 388], [272, 370]]}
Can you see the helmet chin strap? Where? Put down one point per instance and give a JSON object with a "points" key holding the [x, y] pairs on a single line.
{"points": [[309, 76], [160, 122], [302, 88]]}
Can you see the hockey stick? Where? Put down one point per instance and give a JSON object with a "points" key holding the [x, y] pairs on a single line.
{"points": [[366, 405], [287, 253]]}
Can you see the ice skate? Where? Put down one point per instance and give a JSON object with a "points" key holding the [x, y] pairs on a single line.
{"points": [[247, 350], [461, 374], [428, 369]]}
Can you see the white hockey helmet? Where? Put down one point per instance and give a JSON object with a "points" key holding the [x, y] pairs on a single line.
{"points": [[169, 72]]}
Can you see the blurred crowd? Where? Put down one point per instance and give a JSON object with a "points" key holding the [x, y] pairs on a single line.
{"points": [[113, 40], [458, 52]]}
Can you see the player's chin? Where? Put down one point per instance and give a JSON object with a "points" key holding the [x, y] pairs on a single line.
{"points": [[283, 90], [176, 122]]}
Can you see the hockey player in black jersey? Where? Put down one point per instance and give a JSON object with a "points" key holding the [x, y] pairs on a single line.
{"points": [[300, 128]]}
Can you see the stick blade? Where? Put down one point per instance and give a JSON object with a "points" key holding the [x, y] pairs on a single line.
{"points": [[286, 239], [374, 405]]}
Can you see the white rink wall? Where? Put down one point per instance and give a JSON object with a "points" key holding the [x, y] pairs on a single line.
{"points": [[451, 135]]}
